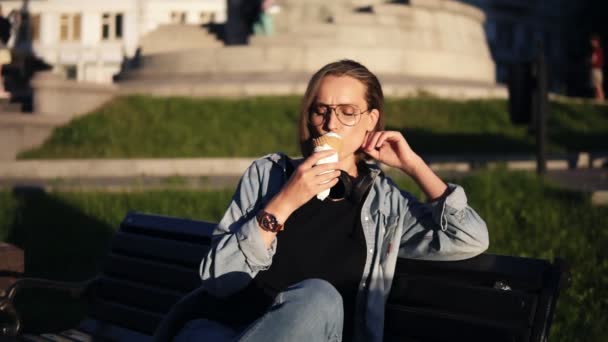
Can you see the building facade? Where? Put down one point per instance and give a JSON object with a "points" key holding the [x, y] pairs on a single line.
{"points": [[514, 28], [89, 40]]}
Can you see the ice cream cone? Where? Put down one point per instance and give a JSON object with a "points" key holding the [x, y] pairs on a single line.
{"points": [[329, 141]]}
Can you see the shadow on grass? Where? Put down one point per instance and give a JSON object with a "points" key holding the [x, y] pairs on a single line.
{"points": [[561, 141], [60, 242], [576, 141], [427, 142], [561, 132]]}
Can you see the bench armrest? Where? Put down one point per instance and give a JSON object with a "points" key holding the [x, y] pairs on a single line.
{"points": [[7, 305]]}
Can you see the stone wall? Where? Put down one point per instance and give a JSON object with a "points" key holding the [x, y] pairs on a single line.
{"points": [[56, 101], [19, 132], [436, 39], [54, 95]]}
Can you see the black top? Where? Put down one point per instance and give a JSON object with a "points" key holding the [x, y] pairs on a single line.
{"points": [[322, 239]]}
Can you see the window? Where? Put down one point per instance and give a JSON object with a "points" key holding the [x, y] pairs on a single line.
{"points": [[71, 72], [178, 17], [69, 26], [77, 22], [207, 18], [35, 26], [111, 26]]}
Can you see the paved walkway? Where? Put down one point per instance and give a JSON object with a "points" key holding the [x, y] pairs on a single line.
{"points": [[221, 173], [581, 179], [197, 167], [20, 131], [594, 181]]}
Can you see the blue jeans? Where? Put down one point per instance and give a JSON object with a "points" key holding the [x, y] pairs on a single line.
{"points": [[310, 310]]}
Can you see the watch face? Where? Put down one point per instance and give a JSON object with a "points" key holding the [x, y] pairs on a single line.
{"points": [[268, 222]]}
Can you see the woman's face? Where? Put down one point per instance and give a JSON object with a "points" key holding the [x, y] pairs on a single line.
{"points": [[338, 90]]}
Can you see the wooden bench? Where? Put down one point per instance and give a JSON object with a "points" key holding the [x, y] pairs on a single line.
{"points": [[154, 261]]}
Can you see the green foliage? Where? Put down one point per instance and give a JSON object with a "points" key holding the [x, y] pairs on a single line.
{"points": [[139, 126], [67, 234], [528, 217], [177, 127]]}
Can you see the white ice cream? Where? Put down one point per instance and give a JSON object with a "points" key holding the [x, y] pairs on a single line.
{"points": [[330, 159]]}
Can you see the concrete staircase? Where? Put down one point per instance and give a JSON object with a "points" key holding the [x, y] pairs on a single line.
{"points": [[6, 106], [23, 131], [176, 38], [437, 46]]}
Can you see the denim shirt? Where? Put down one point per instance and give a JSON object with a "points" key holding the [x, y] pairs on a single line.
{"points": [[446, 229]]}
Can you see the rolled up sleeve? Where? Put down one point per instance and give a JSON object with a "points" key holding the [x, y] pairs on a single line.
{"points": [[445, 229], [237, 252], [252, 245]]}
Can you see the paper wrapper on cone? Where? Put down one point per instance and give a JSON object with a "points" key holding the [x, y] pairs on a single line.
{"points": [[329, 141]]}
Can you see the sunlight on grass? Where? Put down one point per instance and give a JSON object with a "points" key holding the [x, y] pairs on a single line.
{"points": [[150, 127], [67, 234]]}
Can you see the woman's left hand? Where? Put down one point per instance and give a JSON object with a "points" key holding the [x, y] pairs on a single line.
{"points": [[390, 148]]}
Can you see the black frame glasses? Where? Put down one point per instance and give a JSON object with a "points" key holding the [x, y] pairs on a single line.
{"points": [[347, 114]]}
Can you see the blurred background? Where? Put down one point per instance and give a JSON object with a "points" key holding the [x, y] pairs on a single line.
{"points": [[159, 106]]}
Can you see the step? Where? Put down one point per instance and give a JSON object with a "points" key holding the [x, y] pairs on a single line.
{"points": [[307, 58], [171, 38], [9, 107]]}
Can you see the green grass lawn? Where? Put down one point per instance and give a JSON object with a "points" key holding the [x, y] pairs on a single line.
{"points": [[65, 235], [139, 126]]}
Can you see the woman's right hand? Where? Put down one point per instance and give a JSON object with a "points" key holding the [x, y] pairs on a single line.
{"points": [[306, 181]]}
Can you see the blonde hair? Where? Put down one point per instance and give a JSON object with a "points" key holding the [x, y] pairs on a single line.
{"points": [[346, 67]]}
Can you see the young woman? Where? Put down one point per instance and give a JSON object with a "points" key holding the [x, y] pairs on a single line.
{"points": [[302, 269]]}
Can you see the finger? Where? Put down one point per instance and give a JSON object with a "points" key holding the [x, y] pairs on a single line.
{"points": [[374, 141], [388, 136], [321, 168], [327, 185], [381, 139], [315, 157], [327, 176], [375, 154], [372, 138], [370, 149], [392, 138], [366, 139]]}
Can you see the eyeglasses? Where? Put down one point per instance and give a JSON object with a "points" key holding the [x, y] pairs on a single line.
{"points": [[347, 114]]}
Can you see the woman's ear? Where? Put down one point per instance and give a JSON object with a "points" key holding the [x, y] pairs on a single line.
{"points": [[374, 115]]}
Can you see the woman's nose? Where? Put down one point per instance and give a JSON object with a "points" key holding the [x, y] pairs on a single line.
{"points": [[331, 120]]}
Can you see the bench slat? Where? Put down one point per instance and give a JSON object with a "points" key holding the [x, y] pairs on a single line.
{"points": [[428, 325], [485, 269], [439, 294], [137, 295], [104, 331], [157, 274], [154, 248], [124, 316], [158, 224]]}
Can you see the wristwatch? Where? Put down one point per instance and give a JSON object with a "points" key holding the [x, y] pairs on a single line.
{"points": [[269, 222]]}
